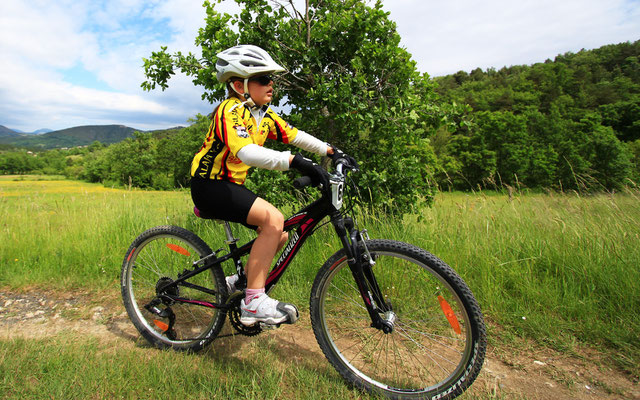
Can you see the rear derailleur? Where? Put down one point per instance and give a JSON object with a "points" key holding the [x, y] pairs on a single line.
{"points": [[166, 313]]}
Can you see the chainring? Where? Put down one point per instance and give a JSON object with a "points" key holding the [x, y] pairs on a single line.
{"points": [[234, 318]]}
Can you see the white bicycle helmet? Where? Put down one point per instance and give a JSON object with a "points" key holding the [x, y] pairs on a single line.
{"points": [[244, 61]]}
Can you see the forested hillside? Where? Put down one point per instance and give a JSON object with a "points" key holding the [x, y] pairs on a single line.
{"points": [[570, 123], [70, 137], [573, 121], [7, 133]]}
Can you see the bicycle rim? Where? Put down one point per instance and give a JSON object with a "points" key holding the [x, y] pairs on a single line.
{"points": [[155, 262], [431, 349]]}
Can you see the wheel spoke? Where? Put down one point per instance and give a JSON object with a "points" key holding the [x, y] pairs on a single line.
{"points": [[422, 352], [432, 336], [153, 265]]}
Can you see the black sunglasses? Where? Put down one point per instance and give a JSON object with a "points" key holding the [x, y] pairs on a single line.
{"points": [[264, 80]]}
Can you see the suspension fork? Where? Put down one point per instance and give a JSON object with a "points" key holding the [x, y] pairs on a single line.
{"points": [[361, 269]]}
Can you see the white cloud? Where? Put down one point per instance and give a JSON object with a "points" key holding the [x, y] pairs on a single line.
{"points": [[42, 33], [445, 37], [42, 96], [41, 40]]}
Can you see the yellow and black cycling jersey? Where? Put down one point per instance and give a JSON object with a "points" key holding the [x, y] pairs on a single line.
{"points": [[233, 127]]}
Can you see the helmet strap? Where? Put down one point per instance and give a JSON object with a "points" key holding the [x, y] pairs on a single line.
{"points": [[248, 100]]}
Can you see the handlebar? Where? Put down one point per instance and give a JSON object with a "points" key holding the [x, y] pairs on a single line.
{"points": [[342, 165], [302, 182]]}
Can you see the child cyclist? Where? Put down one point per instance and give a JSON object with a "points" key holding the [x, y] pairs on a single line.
{"points": [[234, 143]]}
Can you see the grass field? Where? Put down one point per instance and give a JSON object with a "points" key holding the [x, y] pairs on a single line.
{"points": [[561, 269]]}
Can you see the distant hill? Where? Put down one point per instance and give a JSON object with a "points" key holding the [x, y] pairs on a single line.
{"points": [[4, 131], [8, 133], [70, 137], [39, 131]]}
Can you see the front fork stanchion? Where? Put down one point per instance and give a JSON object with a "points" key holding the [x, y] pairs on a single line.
{"points": [[367, 267], [363, 275]]}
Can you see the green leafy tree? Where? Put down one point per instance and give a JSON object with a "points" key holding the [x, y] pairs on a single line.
{"points": [[133, 161], [175, 152], [95, 166], [19, 162], [624, 118], [634, 151], [560, 123], [54, 162], [467, 162], [348, 82], [609, 160]]}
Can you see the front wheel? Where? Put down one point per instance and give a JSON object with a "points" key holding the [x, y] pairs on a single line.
{"points": [[155, 259], [437, 345]]}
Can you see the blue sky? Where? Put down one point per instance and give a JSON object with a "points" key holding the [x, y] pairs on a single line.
{"points": [[66, 63]]}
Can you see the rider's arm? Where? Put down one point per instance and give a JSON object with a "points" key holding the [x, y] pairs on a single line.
{"points": [[285, 133], [309, 143], [261, 157]]}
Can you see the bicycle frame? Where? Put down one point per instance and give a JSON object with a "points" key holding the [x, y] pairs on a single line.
{"points": [[305, 220]]}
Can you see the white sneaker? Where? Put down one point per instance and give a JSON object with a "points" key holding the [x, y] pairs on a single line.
{"points": [[231, 283], [263, 308]]}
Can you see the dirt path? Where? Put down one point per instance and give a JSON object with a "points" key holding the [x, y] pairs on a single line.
{"points": [[508, 373]]}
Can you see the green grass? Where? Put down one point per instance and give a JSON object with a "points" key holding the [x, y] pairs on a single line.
{"points": [[68, 367], [68, 234], [559, 268]]}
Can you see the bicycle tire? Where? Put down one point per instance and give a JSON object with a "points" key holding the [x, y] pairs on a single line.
{"points": [[156, 257], [438, 343]]}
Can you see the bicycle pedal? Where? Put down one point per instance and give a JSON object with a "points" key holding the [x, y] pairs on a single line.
{"points": [[265, 327], [290, 310]]}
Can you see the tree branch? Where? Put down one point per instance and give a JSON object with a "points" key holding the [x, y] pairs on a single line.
{"points": [[296, 10], [291, 16]]}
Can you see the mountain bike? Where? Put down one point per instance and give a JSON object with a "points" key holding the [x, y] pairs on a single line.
{"points": [[390, 317]]}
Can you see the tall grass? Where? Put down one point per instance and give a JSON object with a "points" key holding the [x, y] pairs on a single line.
{"points": [[67, 367], [559, 268], [65, 234]]}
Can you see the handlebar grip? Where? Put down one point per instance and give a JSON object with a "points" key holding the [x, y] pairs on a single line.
{"points": [[302, 182]]}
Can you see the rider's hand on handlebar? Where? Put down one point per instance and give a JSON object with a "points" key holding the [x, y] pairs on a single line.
{"points": [[311, 169], [339, 154]]}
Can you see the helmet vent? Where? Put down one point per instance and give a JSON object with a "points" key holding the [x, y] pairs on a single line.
{"points": [[252, 64]]}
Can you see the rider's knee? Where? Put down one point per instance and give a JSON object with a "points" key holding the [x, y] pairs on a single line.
{"points": [[273, 222], [283, 239]]}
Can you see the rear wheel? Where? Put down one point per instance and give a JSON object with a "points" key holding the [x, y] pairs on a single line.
{"points": [[156, 259], [438, 341]]}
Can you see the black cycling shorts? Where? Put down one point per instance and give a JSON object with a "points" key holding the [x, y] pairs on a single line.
{"points": [[223, 200]]}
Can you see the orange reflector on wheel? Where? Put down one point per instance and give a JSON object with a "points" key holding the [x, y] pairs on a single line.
{"points": [[131, 254], [451, 317], [164, 327], [178, 249]]}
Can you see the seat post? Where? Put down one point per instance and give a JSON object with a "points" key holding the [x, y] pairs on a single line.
{"points": [[227, 230]]}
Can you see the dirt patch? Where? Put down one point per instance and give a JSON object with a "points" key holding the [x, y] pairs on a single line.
{"points": [[522, 372]]}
